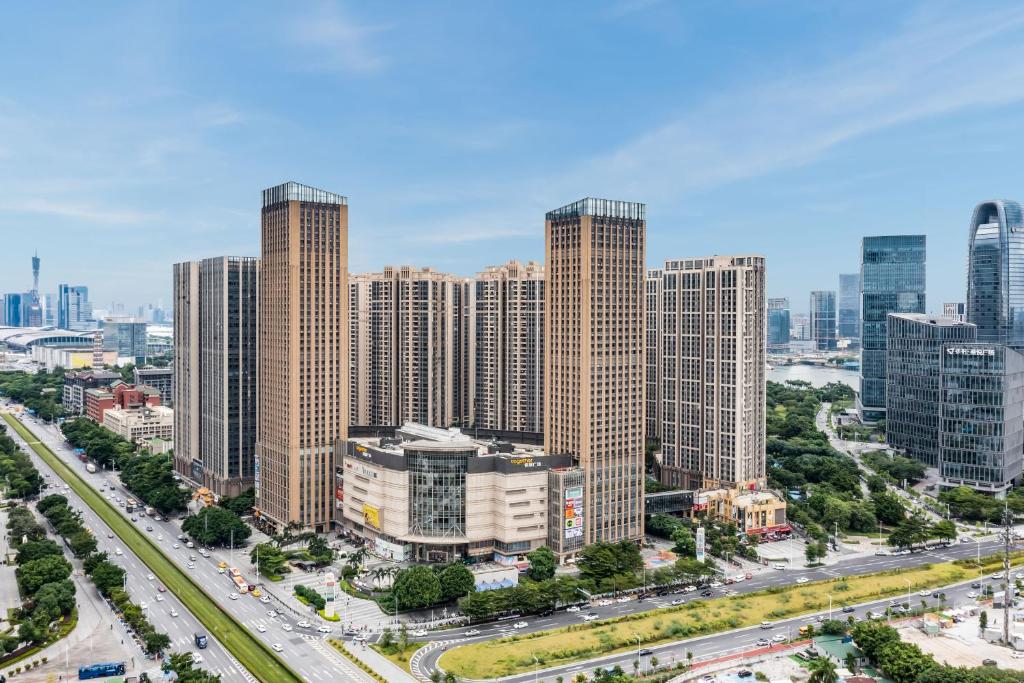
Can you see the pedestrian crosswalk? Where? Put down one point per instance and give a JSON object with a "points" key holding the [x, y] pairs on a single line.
{"points": [[335, 658]]}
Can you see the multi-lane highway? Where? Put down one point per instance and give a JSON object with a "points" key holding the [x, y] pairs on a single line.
{"points": [[304, 649], [708, 646]]}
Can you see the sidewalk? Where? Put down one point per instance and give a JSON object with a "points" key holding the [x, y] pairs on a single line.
{"points": [[379, 663]]}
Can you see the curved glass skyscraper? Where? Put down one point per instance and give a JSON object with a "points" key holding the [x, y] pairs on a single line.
{"points": [[995, 273]]}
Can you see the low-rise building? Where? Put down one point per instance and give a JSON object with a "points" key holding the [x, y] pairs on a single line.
{"points": [[753, 511], [161, 379], [139, 424], [76, 384], [119, 395], [53, 357], [434, 495]]}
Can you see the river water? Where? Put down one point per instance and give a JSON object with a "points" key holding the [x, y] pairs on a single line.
{"points": [[817, 375]]}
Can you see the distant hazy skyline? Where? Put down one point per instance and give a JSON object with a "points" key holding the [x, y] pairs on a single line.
{"points": [[135, 135]]}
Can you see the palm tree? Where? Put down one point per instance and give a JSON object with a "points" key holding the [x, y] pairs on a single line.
{"points": [[823, 671]]}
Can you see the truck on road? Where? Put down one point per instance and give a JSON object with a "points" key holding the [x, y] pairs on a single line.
{"points": [[200, 639], [150, 511], [90, 468]]}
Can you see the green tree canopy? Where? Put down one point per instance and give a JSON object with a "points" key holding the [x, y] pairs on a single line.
{"points": [[456, 581], [542, 564], [33, 575], [216, 526], [416, 587]]}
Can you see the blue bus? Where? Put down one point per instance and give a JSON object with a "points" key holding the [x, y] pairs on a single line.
{"points": [[100, 670]]}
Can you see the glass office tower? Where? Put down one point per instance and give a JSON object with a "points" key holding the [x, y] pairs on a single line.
{"points": [[823, 320], [995, 273], [892, 279], [913, 388], [849, 306], [982, 425], [778, 325]]}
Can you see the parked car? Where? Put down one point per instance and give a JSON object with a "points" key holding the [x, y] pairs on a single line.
{"points": [[520, 624], [762, 642], [472, 632], [420, 633], [590, 617], [572, 608]]}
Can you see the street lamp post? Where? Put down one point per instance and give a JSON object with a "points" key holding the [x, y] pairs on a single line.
{"points": [[536, 663], [830, 607], [637, 647]]}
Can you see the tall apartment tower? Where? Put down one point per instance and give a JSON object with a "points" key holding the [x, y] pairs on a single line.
{"points": [[215, 350], [652, 355], [713, 372], [995, 273], [594, 358], [509, 348], [892, 280], [302, 419], [849, 306], [412, 354], [823, 320]]}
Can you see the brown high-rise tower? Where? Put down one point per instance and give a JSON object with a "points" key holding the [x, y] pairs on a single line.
{"points": [[302, 423], [594, 358]]}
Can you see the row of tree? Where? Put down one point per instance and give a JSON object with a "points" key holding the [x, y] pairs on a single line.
{"points": [[216, 526], [896, 468], [109, 580], [43, 577], [68, 523], [966, 503], [16, 469], [101, 445], [906, 663], [40, 392], [150, 476]]}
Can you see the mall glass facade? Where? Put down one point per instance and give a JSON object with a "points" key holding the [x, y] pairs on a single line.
{"points": [[995, 273], [892, 278], [982, 426], [437, 490], [913, 392]]}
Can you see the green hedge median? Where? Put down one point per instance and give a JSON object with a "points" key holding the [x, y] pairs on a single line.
{"points": [[251, 653]]}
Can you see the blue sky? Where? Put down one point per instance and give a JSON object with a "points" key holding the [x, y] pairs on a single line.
{"points": [[136, 135]]}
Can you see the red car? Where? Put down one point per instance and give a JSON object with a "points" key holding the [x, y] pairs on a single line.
{"points": [[161, 588]]}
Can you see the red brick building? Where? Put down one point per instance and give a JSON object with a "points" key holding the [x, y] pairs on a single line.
{"points": [[119, 395]]}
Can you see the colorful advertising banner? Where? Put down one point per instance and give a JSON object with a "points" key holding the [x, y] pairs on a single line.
{"points": [[573, 512]]}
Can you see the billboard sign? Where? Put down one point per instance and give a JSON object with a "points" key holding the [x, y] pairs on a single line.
{"points": [[700, 544], [371, 515], [573, 507]]}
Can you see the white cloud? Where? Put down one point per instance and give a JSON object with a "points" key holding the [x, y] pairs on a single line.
{"points": [[82, 212], [334, 41]]}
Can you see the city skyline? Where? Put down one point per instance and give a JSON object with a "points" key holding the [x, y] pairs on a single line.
{"points": [[465, 179]]}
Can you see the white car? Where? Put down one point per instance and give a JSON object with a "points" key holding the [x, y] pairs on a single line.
{"points": [[143, 605], [690, 589], [191, 565], [520, 624], [277, 647], [925, 593], [420, 633], [716, 584], [175, 546], [472, 632], [160, 537], [802, 579], [265, 600], [204, 552], [173, 612], [324, 629], [150, 577], [677, 601], [261, 628], [972, 595], [779, 565], [271, 613], [288, 627], [603, 603], [590, 617], [233, 596], [221, 570], [779, 638], [303, 624], [159, 597], [572, 608], [118, 552], [624, 598]]}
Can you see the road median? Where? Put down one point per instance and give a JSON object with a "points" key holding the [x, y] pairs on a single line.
{"points": [[250, 652]]}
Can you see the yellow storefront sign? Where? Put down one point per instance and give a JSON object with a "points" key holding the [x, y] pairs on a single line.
{"points": [[371, 515]]}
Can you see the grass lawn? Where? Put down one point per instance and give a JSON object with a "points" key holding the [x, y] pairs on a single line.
{"points": [[514, 655], [399, 658], [250, 652]]}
